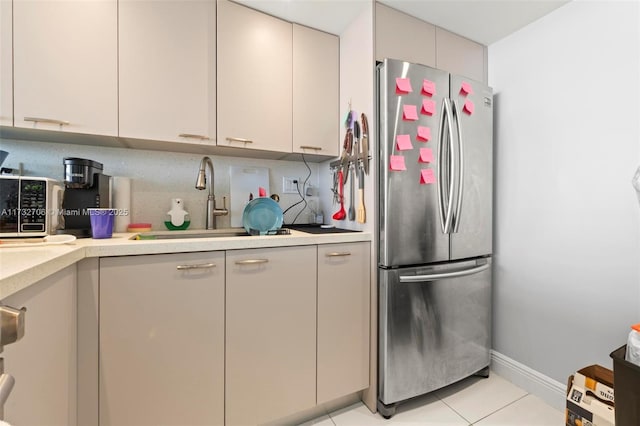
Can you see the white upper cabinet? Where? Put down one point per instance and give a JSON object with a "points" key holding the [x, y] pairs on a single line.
{"points": [[6, 64], [316, 87], [403, 37], [460, 55], [254, 79], [65, 65], [167, 78]]}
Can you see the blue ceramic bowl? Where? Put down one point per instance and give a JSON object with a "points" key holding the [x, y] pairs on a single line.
{"points": [[262, 215]]}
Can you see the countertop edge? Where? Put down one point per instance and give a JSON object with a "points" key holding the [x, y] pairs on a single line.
{"points": [[39, 270]]}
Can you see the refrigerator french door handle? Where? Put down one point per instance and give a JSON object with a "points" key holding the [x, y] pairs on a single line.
{"points": [[452, 170], [441, 204], [445, 275], [456, 218]]}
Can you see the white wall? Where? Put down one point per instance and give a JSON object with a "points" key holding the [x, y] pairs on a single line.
{"points": [[567, 241], [357, 70], [157, 177]]}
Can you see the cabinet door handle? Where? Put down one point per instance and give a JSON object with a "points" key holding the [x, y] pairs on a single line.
{"points": [[196, 266], [192, 136], [12, 322], [240, 140], [315, 148], [6, 385], [47, 120], [251, 261], [338, 254]]}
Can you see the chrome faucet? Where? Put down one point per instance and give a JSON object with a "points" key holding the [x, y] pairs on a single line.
{"points": [[201, 183]]}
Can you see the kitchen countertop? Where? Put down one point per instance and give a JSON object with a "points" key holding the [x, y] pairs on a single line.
{"points": [[22, 266]]}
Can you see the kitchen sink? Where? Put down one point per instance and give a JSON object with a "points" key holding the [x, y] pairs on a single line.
{"points": [[201, 233], [318, 229]]}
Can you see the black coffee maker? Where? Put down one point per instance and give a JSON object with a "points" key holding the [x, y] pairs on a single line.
{"points": [[85, 188]]}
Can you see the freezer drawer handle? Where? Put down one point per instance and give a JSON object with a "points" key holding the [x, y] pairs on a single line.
{"points": [[338, 253], [196, 266], [434, 277]]}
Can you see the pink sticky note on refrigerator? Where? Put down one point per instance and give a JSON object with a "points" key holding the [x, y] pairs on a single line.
{"points": [[426, 155], [403, 86], [424, 133], [468, 107], [409, 113], [466, 88], [427, 177], [428, 87], [396, 163], [403, 142], [428, 107]]}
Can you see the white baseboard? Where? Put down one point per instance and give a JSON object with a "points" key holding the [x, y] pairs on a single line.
{"points": [[549, 390]]}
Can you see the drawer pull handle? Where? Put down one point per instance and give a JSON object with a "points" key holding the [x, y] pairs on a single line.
{"points": [[240, 140], [196, 266], [192, 136], [315, 148], [251, 261], [338, 254], [47, 120]]}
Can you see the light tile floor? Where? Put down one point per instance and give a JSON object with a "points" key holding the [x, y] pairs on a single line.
{"points": [[474, 401]]}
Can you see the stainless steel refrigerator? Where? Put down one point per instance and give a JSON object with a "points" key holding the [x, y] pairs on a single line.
{"points": [[435, 230]]}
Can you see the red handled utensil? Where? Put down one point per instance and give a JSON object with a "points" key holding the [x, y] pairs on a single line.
{"points": [[340, 214]]}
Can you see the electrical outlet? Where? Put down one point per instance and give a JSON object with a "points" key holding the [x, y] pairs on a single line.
{"points": [[288, 186]]}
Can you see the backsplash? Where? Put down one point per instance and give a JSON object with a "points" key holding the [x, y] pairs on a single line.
{"points": [[157, 177]]}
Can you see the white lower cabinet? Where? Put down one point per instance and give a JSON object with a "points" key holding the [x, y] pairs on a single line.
{"points": [[241, 337], [343, 319], [162, 339], [271, 333], [43, 362]]}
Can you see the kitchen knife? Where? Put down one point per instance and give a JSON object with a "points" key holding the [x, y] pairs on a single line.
{"points": [[344, 156], [348, 146], [344, 153], [355, 151], [364, 144]]}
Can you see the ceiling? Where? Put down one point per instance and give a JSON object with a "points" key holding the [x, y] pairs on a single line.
{"points": [[332, 16], [484, 21]]}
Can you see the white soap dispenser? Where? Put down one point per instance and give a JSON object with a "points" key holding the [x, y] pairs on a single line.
{"points": [[179, 217]]}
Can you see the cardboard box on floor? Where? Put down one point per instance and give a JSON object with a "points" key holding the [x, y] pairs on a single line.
{"points": [[590, 398]]}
